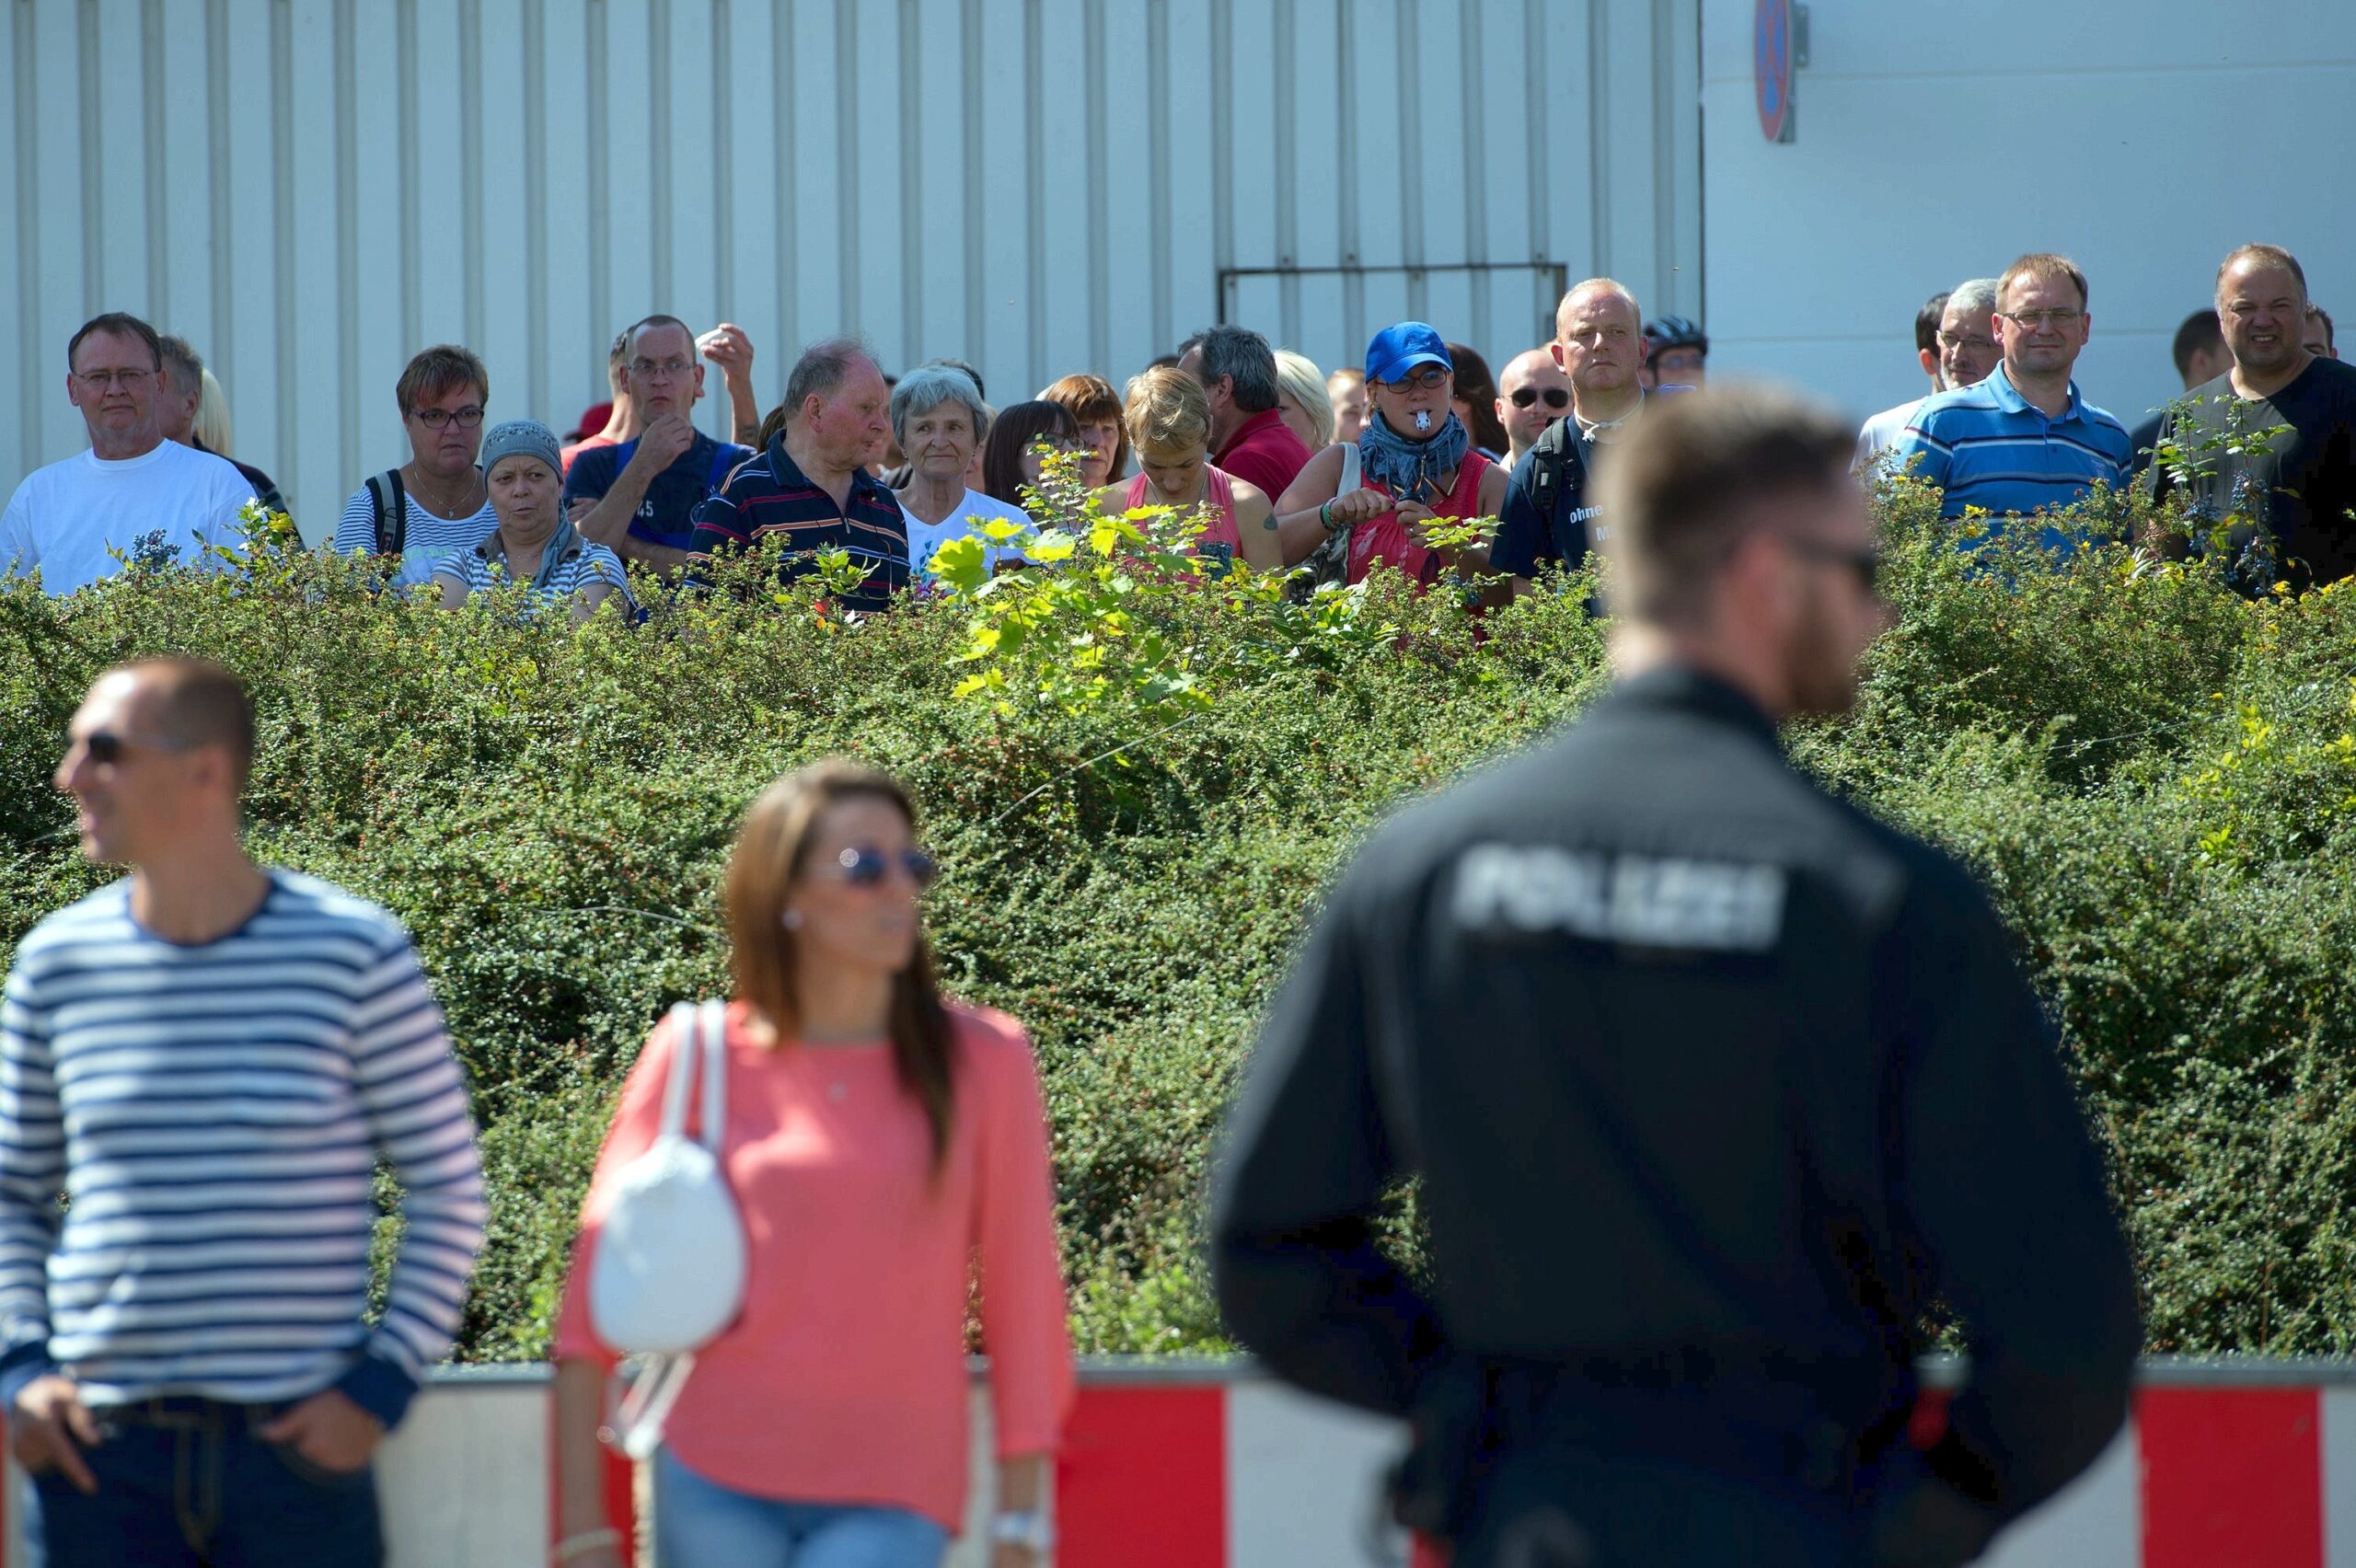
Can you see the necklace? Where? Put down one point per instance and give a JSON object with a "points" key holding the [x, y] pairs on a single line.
{"points": [[1590, 429], [447, 509]]}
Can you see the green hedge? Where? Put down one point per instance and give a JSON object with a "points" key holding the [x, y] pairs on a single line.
{"points": [[2157, 779]]}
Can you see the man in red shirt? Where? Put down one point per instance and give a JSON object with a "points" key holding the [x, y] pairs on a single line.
{"points": [[1249, 440]]}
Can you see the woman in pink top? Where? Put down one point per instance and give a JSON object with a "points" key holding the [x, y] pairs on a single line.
{"points": [[883, 1147], [1169, 422]]}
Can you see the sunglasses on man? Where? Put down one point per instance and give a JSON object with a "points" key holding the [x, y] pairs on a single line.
{"points": [[107, 748], [1556, 396]]}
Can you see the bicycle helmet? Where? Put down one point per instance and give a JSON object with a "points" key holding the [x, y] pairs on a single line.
{"points": [[1673, 332]]}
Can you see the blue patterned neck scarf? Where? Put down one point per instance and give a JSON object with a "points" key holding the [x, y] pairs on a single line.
{"points": [[1411, 469]]}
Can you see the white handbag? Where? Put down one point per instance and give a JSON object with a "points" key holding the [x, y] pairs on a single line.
{"points": [[667, 1271]]}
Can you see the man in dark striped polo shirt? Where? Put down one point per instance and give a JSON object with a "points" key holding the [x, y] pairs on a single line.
{"points": [[2023, 440], [811, 485], [211, 1059]]}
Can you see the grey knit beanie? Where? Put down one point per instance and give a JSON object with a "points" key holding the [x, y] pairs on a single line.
{"points": [[520, 436]]}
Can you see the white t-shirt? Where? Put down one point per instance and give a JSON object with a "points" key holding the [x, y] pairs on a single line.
{"points": [[925, 540], [429, 541], [65, 518], [1879, 433]]}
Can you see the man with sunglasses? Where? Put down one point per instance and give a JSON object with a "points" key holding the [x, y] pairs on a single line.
{"points": [[1532, 394], [132, 494], [210, 1060], [1713, 1084], [2023, 441]]}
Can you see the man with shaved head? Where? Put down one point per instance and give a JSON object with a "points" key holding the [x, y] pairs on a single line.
{"points": [[203, 1067], [2286, 503], [1532, 394], [1600, 347]]}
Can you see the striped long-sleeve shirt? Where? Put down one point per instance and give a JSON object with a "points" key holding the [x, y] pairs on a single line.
{"points": [[215, 1114]]}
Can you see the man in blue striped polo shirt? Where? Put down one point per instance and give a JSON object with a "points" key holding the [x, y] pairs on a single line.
{"points": [[208, 1058], [2023, 440]]}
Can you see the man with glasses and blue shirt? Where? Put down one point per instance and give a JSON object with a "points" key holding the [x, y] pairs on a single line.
{"points": [[637, 498], [133, 496], [2023, 441]]}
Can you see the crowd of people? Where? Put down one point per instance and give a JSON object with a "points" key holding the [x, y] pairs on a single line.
{"points": [[205, 1065], [1293, 469]]}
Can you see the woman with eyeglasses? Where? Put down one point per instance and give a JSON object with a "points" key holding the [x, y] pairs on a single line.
{"points": [[435, 503], [885, 1147], [1415, 466]]}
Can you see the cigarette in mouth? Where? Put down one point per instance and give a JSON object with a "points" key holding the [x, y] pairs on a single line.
{"points": [[1422, 420]]}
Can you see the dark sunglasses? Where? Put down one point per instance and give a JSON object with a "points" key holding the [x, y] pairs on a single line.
{"points": [[866, 866], [1556, 396], [106, 749], [1864, 563]]}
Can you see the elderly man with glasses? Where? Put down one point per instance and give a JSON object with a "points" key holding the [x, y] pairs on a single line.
{"points": [[2022, 441], [1955, 342], [637, 498], [132, 494]]}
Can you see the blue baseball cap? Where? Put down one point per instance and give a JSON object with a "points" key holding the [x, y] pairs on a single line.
{"points": [[1398, 350]]}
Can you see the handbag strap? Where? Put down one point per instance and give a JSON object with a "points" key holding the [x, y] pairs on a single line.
{"points": [[713, 1015], [685, 1047]]}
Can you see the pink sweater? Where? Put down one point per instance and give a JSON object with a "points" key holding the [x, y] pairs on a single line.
{"points": [[845, 1379]]}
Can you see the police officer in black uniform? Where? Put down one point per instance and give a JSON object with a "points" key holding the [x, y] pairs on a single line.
{"points": [[1715, 1086]]}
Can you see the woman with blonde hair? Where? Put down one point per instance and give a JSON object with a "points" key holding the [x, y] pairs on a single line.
{"points": [[882, 1143], [1169, 421], [1303, 400]]}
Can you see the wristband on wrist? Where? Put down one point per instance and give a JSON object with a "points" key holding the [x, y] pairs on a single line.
{"points": [[1034, 1531], [582, 1542]]}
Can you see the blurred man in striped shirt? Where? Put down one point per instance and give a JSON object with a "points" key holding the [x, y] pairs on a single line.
{"points": [[208, 1058]]}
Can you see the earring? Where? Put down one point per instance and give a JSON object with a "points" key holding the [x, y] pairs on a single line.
{"points": [[791, 919]]}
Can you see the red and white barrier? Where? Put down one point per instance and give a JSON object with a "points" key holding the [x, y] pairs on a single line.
{"points": [[1207, 1464]]}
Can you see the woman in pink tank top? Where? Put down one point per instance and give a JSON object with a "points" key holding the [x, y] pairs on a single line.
{"points": [[1169, 422]]}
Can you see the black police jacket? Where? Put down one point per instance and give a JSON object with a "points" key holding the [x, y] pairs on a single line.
{"points": [[1698, 1066]]}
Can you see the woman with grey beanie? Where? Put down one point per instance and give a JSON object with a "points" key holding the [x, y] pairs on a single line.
{"points": [[535, 542]]}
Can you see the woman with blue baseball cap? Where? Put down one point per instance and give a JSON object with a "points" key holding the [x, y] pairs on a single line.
{"points": [[1363, 505]]}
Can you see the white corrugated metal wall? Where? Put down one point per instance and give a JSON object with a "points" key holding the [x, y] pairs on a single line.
{"points": [[310, 191]]}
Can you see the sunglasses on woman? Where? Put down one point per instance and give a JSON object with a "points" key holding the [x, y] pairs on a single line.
{"points": [[1556, 396], [865, 866], [1424, 377]]}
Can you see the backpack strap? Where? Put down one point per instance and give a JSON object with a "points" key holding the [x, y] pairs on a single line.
{"points": [[390, 504]]}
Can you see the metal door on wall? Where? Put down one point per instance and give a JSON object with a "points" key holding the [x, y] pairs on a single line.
{"points": [[1329, 313]]}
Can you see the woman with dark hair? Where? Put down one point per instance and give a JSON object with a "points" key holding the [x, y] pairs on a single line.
{"points": [[1011, 458], [1096, 409], [881, 1144], [1474, 402]]}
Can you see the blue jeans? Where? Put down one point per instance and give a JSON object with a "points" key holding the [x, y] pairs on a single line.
{"points": [[190, 1483], [700, 1524]]}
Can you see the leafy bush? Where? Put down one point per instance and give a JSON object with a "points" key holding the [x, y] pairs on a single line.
{"points": [[2158, 781]]}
